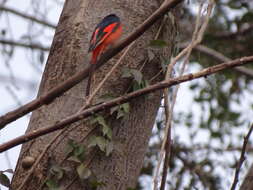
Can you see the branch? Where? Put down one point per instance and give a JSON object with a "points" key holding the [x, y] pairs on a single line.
{"points": [[63, 87], [242, 158], [29, 17], [120, 100], [232, 35], [24, 45], [219, 57]]}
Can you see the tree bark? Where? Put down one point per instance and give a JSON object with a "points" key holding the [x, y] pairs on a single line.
{"points": [[248, 180], [131, 133]]}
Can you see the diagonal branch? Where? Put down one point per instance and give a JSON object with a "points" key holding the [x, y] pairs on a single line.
{"points": [[63, 87], [24, 45], [29, 17], [232, 35], [242, 158], [120, 100], [219, 57]]}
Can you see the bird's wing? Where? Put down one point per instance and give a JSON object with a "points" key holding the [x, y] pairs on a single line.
{"points": [[101, 33]]}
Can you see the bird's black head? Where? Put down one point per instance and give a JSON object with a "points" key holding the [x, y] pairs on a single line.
{"points": [[111, 18]]}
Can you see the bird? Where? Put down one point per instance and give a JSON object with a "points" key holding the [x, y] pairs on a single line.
{"points": [[105, 34]]}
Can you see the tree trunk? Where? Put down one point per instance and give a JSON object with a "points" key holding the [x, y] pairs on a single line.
{"points": [[248, 180], [131, 133]]}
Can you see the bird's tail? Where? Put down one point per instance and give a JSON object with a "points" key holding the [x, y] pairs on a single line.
{"points": [[92, 68]]}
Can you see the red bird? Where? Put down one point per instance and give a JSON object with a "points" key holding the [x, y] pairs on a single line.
{"points": [[106, 33]]}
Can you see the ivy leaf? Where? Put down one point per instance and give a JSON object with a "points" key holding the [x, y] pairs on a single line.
{"points": [[70, 146], [120, 114], [100, 119], [83, 172], [105, 128], [95, 184], [74, 159], [126, 107], [109, 148], [107, 131], [158, 43], [101, 142], [75, 151], [4, 180], [52, 184], [137, 75], [57, 171], [126, 73], [79, 151]]}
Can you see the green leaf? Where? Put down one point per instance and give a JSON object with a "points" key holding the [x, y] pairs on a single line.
{"points": [[120, 114], [109, 148], [107, 131], [92, 141], [158, 43], [70, 147], [95, 184], [4, 180], [101, 142], [126, 107], [79, 150], [83, 172], [126, 73], [101, 120], [137, 75], [74, 159], [57, 171], [52, 184]]}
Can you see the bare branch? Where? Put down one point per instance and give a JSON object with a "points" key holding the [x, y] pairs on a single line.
{"points": [[29, 17], [24, 45], [219, 57], [63, 87], [231, 35], [120, 100], [242, 158], [197, 37], [22, 82]]}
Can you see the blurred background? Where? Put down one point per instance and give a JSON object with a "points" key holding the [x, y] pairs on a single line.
{"points": [[212, 115]]}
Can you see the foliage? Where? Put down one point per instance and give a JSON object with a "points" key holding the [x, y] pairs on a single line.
{"points": [[4, 180]]}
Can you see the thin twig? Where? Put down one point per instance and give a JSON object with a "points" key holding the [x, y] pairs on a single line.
{"points": [[63, 87], [242, 158], [219, 57], [24, 45], [122, 99], [29, 17], [232, 35], [196, 39]]}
